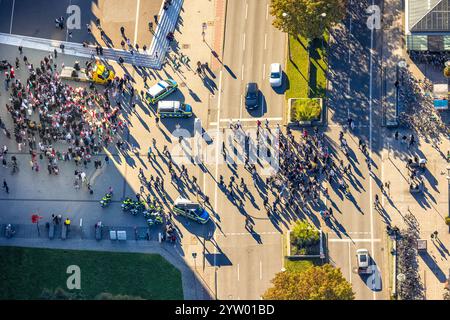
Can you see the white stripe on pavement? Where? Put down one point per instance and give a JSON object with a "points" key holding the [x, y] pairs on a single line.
{"points": [[354, 240], [250, 119], [137, 21], [371, 179], [260, 270], [349, 262], [12, 16], [238, 271], [248, 234]]}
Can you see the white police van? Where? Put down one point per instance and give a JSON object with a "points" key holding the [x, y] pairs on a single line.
{"points": [[174, 109]]}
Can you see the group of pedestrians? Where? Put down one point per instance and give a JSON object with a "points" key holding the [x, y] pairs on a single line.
{"points": [[58, 122], [307, 167]]}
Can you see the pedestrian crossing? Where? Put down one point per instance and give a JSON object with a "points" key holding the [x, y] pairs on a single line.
{"points": [[152, 58]]}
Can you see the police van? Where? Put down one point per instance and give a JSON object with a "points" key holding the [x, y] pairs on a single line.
{"points": [[174, 109]]}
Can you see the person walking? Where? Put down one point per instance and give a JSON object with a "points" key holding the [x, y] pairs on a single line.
{"points": [[5, 186]]}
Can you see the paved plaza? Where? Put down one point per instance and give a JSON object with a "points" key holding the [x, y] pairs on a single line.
{"points": [[237, 253]]}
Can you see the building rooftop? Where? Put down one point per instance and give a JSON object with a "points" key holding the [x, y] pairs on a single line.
{"points": [[428, 16]]}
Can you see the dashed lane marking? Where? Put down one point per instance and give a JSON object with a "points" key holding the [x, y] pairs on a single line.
{"points": [[248, 234], [353, 240]]}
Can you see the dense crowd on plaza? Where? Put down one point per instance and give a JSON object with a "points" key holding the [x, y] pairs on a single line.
{"points": [[72, 123]]}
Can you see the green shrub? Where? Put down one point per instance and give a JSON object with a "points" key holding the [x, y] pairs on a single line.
{"points": [[306, 110], [304, 234]]}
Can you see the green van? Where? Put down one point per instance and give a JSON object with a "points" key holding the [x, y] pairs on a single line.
{"points": [[174, 109]]}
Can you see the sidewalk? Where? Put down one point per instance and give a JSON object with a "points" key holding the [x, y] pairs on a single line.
{"points": [[431, 206], [152, 58]]}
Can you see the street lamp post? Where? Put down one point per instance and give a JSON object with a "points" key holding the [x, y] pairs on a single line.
{"points": [[323, 15], [286, 16]]}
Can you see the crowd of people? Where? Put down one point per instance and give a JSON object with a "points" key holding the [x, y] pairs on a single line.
{"points": [[417, 110], [307, 167], [436, 59], [59, 122]]}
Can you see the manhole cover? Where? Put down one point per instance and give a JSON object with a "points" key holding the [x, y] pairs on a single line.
{"points": [[183, 84], [186, 46]]}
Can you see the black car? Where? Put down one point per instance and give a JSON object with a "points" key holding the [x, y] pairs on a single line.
{"points": [[251, 95]]}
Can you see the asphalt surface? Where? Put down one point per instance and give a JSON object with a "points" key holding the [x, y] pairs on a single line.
{"points": [[245, 261], [251, 45], [355, 92]]}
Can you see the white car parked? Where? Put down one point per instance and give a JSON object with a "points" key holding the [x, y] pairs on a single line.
{"points": [[362, 255], [276, 75]]}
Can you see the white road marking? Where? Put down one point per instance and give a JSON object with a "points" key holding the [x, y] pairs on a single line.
{"points": [[243, 46], [12, 16], [248, 234], [260, 270], [357, 126], [240, 108], [217, 172], [246, 11], [267, 12], [238, 271], [137, 21], [242, 73], [370, 137], [227, 120], [348, 85], [264, 71], [67, 29], [349, 36], [351, 24], [350, 262], [354, 240], [265, 41]]}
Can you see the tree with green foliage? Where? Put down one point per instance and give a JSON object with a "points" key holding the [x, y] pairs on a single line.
{"points": [[304, 234], [315, 283], [308, 18], [306, 110]]}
